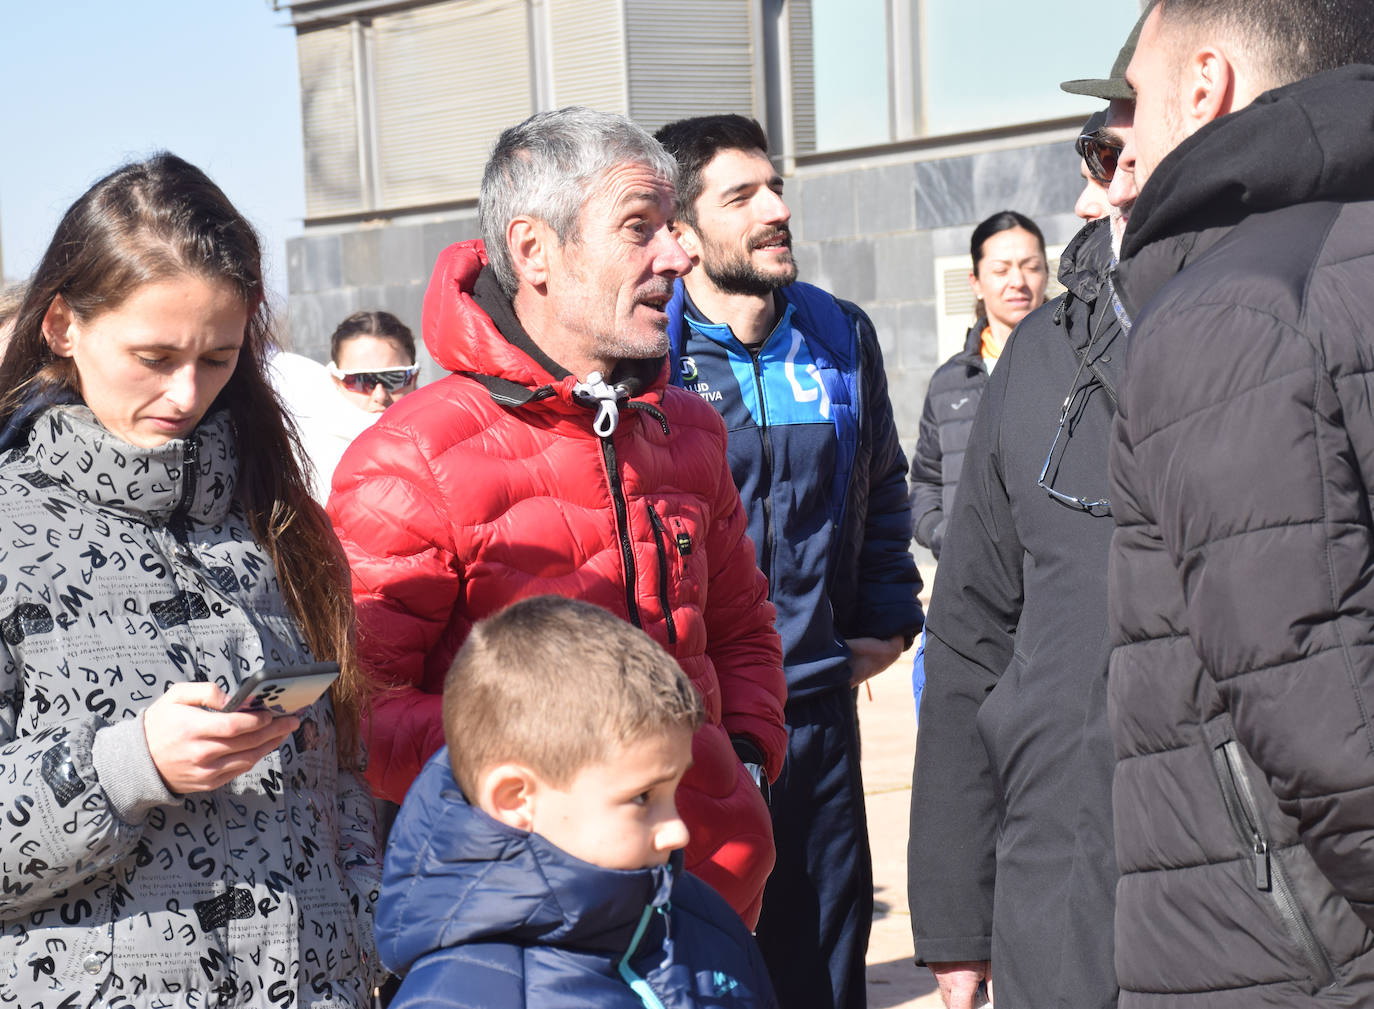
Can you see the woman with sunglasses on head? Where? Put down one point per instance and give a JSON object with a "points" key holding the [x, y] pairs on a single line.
{"points": [[160, 548], [372, 360], [1011, 869], [371, 365]]}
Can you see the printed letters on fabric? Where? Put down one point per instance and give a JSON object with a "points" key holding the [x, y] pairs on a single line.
{"points": [[126, 570]]}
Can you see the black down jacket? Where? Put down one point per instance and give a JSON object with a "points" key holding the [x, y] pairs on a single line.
{"points": [[1242, 571], [1006, 801], [952, 399]]}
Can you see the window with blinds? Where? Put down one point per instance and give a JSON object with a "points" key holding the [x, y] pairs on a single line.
{"points": [[689, 60], [401, 107], [333, 183], [449, 77], [587, 43], [803, 73]]}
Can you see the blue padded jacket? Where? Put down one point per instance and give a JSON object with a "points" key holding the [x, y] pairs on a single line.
{"points": [[478, 915], [815, 454]]}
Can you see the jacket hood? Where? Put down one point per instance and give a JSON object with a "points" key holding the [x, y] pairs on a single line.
{"points": [[455, 875], [458, 334], [1083, 270], [463, 337], [1086, 259], [1304, 142]]}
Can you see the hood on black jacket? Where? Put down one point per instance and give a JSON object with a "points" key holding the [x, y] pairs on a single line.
{"points": [[1300, 143], [1084, 263]]}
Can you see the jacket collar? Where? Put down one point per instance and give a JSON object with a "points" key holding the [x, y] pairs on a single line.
{"points": [[972, 354], [1302, 143], [455, 875], [469, 327], [720, 333], [1095, 329], [488, 296], [1138, 279], [1086, 259], [191, 477]]}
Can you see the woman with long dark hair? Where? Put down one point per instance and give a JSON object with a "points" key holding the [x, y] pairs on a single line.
{"points": [[158, 546]]}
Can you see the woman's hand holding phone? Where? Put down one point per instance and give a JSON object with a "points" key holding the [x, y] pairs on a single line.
{"points": [[197, 748]]}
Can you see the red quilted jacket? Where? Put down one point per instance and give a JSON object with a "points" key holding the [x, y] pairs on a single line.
{"points": [[454, 505]]}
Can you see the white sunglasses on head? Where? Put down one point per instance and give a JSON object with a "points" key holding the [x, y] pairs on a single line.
{"points": [[390, 379]]}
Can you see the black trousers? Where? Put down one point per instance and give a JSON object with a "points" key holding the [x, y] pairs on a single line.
{"points": [[818, 902]]}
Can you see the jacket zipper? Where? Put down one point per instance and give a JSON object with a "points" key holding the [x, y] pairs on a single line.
{"points": [[190, 476], [1270, 876], [858, 405], [659, 533], [647, 996], [622, 522], [767, 491]]}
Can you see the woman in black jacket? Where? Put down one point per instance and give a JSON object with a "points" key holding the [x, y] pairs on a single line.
{"points": [[1009, 277]]}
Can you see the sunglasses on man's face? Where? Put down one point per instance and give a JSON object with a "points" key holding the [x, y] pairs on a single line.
{"points": [[1100, 153], [390, 379]]}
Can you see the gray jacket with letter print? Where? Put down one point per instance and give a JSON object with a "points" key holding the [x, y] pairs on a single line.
{"points": [[124, 570]]}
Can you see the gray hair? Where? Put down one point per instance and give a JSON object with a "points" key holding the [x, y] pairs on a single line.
{"points": [[546, 168]]}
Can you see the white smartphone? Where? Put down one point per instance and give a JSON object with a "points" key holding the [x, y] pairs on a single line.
{"points": [[283, 690]]}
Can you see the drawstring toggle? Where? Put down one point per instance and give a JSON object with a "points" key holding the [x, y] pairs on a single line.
{"points": [[595, 391]]}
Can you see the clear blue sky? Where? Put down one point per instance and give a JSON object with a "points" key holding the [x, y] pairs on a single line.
{"points": [[87, 86], [1010, 56]]}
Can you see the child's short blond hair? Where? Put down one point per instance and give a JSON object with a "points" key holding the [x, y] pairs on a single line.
{"points": [[557, 684]]}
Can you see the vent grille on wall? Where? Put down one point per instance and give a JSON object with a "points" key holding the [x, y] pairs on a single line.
{"points": [[954, 300]]}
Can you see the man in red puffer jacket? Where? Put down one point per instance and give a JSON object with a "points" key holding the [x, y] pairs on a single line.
{"points": [[556, 459]]}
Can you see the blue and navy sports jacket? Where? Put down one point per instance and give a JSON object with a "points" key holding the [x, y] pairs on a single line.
{"points": [[478, 915], [815, 455]]}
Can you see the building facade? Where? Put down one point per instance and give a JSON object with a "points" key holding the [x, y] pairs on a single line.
{"points": [[898, 125]]}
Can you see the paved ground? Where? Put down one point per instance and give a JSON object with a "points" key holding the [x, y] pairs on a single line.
{"points": [[888, 724]]}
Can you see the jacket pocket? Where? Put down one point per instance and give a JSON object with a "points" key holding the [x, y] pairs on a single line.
{"points": [[1269, 874], [1001, 721], [661, 538]]}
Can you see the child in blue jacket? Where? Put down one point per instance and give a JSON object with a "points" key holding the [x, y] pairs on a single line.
{"points": [[536, 860]]}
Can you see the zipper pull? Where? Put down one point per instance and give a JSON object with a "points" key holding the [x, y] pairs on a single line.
{"points": [[1261, 850]]}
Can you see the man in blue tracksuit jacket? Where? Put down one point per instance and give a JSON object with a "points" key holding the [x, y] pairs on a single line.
{"points": [[798, 377]]}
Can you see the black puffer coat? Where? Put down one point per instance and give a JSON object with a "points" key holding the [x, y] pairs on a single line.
{"points": [[1007, 807], [952, 399], [1242, 572]]}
